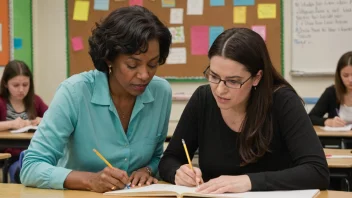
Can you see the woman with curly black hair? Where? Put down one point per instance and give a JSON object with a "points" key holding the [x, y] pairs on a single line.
{"points": [[121, 109]]}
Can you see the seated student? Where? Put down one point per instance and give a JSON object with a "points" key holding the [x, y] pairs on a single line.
{"points": [[121, 109], [19, 106], [336, 99], [249, 124]]}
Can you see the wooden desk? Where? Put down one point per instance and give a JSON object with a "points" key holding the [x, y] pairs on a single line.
{"points": [[19, 191], [333, 139], [15, 140], [4, 156]]}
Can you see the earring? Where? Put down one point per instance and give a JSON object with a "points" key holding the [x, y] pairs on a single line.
{"points": [[255, 88], [109, 69]]}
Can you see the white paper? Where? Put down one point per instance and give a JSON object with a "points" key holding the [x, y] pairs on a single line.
{"points": [[177, 33], [0, 37], [182, 189], [345, 128], [24, 129], [177, 55], [176, 16], [195, 7]]}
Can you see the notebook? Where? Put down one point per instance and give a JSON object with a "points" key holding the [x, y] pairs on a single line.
{"points": [[25, 129], [344, 128], [159, 190]]}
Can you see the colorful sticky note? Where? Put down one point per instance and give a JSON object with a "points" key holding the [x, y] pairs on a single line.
{"points": [[195, 7], [243, 2], [239, 14], [101, 4], [217, 2], [178, 35], [81, 10], [168, 3], [17, 43], [136, 2], [199, 40], [77, 43], [214, 32], [261, 30], [177, 55], [267, 11], [176, 15]]}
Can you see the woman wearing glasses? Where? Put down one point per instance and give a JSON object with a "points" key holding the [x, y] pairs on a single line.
{"points": [[249, 125]]}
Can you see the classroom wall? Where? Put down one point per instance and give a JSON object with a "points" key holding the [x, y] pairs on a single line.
{"points": [[50, 57]]}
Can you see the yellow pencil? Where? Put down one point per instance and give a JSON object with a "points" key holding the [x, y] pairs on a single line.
{"points": [[189, 160], [102, 158], [107, 163]]}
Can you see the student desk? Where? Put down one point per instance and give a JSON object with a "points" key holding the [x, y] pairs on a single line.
{"points": [[4, 157], [15, 140], [341, 168], [333, 139], [20, 191]]}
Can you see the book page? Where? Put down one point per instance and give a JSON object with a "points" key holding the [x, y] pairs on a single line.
{"points": [[156, 188], [24, 129], [345, 128]]}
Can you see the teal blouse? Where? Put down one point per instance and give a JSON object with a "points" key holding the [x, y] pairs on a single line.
{"points": [[81, 117]]}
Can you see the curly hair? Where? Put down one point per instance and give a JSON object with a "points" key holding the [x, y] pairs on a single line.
{"points": [[127, 30]]}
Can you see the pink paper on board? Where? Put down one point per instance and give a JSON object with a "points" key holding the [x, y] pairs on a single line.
{"points": [[77, 43], [136, 2], [261, 30], [199, 40]]}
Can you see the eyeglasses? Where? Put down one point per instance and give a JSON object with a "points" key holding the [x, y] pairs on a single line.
{"points": [[233, 84]]}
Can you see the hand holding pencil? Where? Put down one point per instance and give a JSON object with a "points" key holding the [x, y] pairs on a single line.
{"points": [[110, 178], [187, 175]]}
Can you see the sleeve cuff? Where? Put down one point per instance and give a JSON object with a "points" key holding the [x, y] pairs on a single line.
{"points": [[258, 181], [58, 177]]}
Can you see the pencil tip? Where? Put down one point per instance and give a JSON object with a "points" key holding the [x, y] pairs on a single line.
{"points": [[183, 141]]}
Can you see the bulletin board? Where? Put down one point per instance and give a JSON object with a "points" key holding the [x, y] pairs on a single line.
{"points": [[4, 33], [256, 13]]}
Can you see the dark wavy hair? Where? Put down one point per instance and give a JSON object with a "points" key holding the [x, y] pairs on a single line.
{"points": [[248, 48], [127, 30], [16, 68], [344, 61]]}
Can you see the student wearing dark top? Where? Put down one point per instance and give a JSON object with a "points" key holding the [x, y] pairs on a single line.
{"points": [[336, 99], [249, 125]]}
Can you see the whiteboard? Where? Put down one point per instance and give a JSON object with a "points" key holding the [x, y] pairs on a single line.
{"points": [[321, 33]]}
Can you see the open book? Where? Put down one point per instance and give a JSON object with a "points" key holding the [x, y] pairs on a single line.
{"points": [[344, 128], [169, 190], [25, 129]]}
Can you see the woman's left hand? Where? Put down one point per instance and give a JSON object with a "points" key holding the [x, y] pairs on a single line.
{"points": [[223, 184], [36, 121], [142, 177]]}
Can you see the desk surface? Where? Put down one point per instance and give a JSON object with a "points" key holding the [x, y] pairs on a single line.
{"points": [[339, 163], [4, 156], [19, 191], [321, 133], [15, 136]]}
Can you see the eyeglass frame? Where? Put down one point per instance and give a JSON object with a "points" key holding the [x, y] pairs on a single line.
{"points": [[225, 81]]}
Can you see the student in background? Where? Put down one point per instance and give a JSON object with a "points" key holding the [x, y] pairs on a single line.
{"points": [[19, 106], [336, 99], [249, 125], [120, 109]]}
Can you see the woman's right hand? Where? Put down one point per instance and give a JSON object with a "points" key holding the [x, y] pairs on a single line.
{"points": [[335, 122], [186, 177], [19, 123], [107, 180]]}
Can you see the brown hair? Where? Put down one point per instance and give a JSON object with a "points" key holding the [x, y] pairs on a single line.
{"points": [[15, 68], [344, 61], [248, 48]]}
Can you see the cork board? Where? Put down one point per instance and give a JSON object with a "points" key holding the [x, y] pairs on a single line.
{"points": [[79, 61]]}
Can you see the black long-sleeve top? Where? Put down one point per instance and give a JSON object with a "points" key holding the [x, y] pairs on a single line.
{"points": [[327, 103], [296, 160]]}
